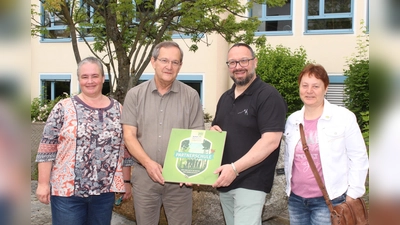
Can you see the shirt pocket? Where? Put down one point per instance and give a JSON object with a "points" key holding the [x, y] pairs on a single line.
{"points": [[334, 134], [334, 141]]}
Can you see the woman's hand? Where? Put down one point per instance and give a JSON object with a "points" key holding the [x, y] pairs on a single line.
{"points": [[43, 193]]}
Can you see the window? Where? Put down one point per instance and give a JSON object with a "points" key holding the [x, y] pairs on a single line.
{"points": [[195, 84], [145, 8], [274, 20], [106, 87], [329, 16], [176, 20], [194, 81], [335, 93], [53, 86], [175, 34], [55, 25], [88, 20]]}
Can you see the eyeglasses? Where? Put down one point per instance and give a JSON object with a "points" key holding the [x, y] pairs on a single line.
{"points": [[243, 62], [166, 62]]}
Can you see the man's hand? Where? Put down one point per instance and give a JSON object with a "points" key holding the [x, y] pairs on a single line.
{"points": [[155, 171], [216, 128], [128, 191], [226, 177]]}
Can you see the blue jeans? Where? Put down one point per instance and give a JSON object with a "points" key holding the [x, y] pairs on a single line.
{"points": [[6, 211], [92, 210], [311, 211]]}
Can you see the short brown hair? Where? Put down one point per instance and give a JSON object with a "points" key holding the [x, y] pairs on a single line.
{"points": [[315, 70]]}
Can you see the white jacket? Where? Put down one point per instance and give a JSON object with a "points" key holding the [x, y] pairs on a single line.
{"points": [[343, 153]]}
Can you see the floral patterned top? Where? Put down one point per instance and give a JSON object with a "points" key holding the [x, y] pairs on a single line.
{"points": [[86, 147]]}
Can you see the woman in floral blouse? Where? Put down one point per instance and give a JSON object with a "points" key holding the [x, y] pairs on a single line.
{"points": [[82, 158]]}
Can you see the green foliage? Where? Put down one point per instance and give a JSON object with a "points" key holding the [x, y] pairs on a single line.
{"points": [[357, 89], [207, 118], [357, 81], [40, 109], [126, 31], [280, 67], [365, 128]]}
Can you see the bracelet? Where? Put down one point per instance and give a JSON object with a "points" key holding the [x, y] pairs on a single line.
{"points": [[234, 169]]}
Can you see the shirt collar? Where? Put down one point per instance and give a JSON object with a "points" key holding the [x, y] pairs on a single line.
{"points": [[249, 90], [326, 114], [174, 87]]}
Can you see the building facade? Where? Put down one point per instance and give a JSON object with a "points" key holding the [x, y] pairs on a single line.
{"points": [[327, 30]]}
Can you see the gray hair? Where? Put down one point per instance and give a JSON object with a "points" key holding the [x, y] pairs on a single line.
{"points": [[165, 44], [93, 60]]}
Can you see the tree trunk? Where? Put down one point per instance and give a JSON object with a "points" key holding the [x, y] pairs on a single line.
{"points": [[123, 80], [65, 10], [114, 34]]}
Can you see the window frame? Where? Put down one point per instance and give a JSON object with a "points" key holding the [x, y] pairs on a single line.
{"points": [[323, 15], [177, 35], [52, 27], [91, 12], [265, 18], [63, 27], [53, 78], [336, 81], [192, 78]]}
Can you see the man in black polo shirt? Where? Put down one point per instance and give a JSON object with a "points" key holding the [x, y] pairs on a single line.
{"points": [[253, 113]]}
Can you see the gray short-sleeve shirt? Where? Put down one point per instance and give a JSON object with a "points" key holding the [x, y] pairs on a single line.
{"points": [[155, 115]]}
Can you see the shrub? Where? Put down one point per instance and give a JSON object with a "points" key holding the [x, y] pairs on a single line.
{"points": [[280, 67], [357, 89], [365, 129], [40, 109], [207, 118], [357, 81]]}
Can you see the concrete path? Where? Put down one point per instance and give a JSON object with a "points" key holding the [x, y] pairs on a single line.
{"points": [[41, 214]]}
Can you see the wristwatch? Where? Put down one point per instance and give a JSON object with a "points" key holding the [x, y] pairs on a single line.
{"points": [[127, 181]]}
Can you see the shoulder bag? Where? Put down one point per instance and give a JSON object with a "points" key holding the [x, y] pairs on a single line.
{"points": [[346, 213]]}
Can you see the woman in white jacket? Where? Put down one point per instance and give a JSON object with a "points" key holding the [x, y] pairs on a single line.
{"points": [[336, 146]]}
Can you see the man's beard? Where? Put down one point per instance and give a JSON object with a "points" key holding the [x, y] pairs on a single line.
{"points": [[243, 82]]}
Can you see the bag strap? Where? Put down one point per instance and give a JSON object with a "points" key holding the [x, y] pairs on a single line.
{"points": [[314, 169]]}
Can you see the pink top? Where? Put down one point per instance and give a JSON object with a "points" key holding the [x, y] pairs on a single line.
{"points": [[303, 181]]}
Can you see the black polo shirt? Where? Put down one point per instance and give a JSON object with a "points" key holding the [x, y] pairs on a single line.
{"points": [[259, 109]]}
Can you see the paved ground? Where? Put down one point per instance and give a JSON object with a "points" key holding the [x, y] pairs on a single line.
{"points": [[41, 214]]}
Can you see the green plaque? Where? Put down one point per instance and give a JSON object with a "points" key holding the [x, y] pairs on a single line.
{"points": [[193, 156]]}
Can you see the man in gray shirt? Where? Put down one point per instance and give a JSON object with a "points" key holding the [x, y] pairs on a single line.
{"points": [[150, 111]]}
